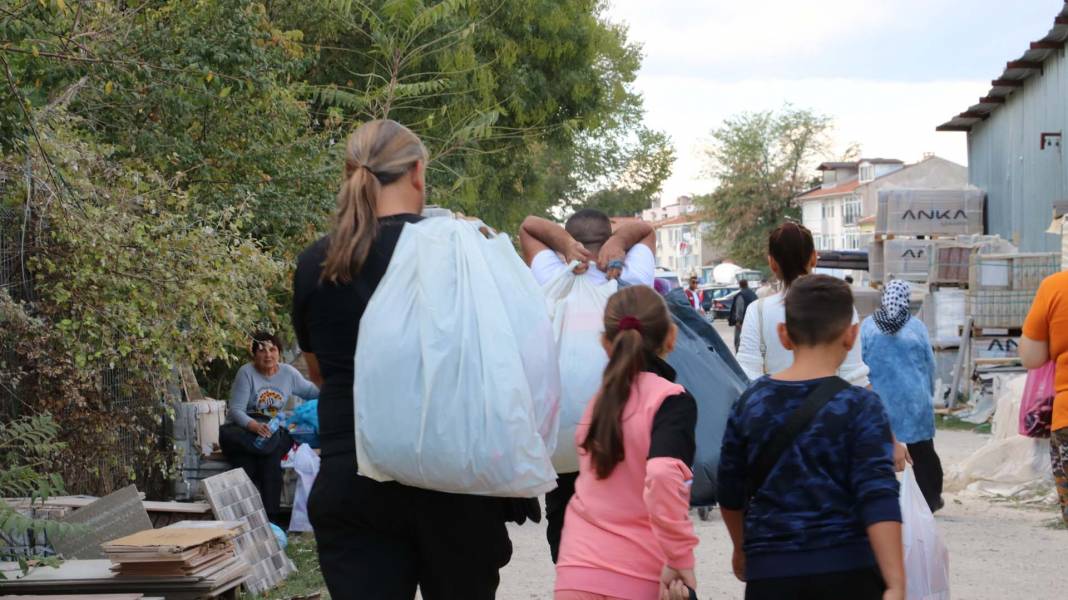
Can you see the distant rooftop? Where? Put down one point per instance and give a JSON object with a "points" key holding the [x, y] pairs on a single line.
{"points": [[832, 166]]}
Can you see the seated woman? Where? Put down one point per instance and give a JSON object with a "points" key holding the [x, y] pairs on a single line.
{"points": [[260, 391]]}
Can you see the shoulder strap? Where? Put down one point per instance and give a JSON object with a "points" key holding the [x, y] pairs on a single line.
{"points": [[785, 437], [763, 343]]}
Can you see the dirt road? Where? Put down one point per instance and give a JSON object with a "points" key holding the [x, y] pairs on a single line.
{"points": [[997, 551]]}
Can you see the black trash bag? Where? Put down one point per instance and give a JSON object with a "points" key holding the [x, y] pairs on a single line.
{"points": [[710, 372]]}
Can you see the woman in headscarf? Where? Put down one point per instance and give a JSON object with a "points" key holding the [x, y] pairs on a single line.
{"points": [[898, 352]]}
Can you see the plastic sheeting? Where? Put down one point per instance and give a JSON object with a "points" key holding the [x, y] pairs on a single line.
{"points": [[305, 462], [1009, 465], [708, 370]]}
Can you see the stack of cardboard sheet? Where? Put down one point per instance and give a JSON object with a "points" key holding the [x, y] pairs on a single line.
{"points": [[205, 553], [96, 577]]}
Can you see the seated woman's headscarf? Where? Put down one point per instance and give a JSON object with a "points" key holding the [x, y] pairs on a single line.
{"points": [[894, 312]]}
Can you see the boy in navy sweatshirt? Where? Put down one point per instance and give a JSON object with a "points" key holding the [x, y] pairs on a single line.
{"points": [[825, 521]]}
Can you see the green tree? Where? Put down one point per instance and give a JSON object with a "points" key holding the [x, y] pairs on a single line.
{"points": [[642, 170], [523, 105], [171, 157], [761, 161]]}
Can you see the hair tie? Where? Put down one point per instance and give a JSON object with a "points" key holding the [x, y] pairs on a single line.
{"points": [[630, 322]]}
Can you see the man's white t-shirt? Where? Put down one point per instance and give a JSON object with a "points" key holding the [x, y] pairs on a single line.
{"points": [[639, 267]]}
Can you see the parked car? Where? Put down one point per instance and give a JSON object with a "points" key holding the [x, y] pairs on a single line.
{"points": [[717, 299], [670, 279]]}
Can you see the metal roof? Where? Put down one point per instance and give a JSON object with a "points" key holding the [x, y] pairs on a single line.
{"points": [[1014, 76]]}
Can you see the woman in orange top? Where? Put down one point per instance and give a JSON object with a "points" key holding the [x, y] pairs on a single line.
{"points": [[1045, 338]]}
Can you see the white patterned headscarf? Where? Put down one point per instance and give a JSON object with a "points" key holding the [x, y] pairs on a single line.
{"points": [[894, 312]]}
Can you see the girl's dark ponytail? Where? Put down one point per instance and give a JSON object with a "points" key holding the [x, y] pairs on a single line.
{"points": [[792, 247], [604, 441], [636, 325]]}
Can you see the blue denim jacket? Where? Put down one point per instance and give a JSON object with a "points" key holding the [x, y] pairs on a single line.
{"points": [[902, 373]]}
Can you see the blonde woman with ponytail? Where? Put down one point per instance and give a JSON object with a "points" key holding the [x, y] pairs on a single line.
{"points": [[379, 540], [627, 532]]}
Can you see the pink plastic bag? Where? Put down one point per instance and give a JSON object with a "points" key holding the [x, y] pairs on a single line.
{"points": [[1036, 406]]}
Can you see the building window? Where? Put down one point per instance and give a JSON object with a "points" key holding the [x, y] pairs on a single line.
{"points": [[867, 173], [851, 211], [828, 210], [852, 240]]}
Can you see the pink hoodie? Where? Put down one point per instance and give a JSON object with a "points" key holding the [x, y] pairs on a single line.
{"points": [[619, 532]]}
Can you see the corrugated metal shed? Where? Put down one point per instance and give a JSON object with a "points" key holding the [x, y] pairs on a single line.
{"points": [[1010, 156]]}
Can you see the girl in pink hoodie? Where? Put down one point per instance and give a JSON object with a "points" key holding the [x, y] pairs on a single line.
{"points": [[627, 531]]}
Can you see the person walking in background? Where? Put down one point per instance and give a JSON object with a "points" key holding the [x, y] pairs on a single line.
{"points": [[259, 393], [380, 539], [898, 352], [791, 254], [587, 237], [1045, 339], [742, 300], [628, 534], [693, 295], [806, 477]]}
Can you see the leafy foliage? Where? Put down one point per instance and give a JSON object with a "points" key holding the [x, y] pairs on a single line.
{"points": [[760, 160], [171, 158], [26, 446]]}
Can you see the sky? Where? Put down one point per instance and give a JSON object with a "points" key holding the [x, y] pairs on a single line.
{"points": [[886, 71]]}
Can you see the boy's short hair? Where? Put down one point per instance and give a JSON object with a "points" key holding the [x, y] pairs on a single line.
{"points": [[590, 227], [819, 308]]}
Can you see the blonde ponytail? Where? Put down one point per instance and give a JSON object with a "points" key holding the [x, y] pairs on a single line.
{"points": [[378, 153]]}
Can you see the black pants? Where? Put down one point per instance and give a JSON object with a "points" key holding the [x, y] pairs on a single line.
{"points": [[382, 540], [928, 469], [555, 507], [265, 471], [862, 584]]}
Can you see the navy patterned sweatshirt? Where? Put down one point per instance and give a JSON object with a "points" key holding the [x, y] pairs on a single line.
{"points": [[812, 513]]}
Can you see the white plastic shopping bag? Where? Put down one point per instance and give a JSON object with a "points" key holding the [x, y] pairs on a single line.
{"points": [[576, 307], [456, 385], [306, 463], [926, 555]]}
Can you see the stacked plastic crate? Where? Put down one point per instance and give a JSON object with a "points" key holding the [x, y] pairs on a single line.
{"points": [[1001, 287]]}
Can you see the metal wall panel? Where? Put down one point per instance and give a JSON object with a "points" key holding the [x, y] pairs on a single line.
{"points": [[1021, 180]]}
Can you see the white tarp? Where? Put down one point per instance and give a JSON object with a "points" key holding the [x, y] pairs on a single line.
{"points": [[1009, 465]]}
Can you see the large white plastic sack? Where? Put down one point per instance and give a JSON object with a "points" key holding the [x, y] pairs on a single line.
{"points": [[456, 386], [306, 463], [926, 555], [576, 307]]}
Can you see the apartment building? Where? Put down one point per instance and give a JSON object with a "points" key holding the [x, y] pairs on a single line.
{"points": [[840, 211]]}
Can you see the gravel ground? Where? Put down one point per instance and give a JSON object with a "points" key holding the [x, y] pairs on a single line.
{"points": [[997, 550]]}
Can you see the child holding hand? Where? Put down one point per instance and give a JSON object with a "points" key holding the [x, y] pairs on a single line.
{"points": [[627, 532]]}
